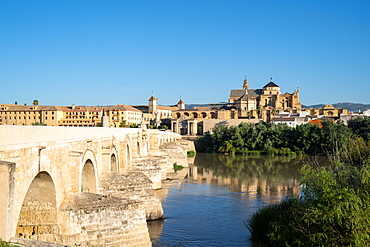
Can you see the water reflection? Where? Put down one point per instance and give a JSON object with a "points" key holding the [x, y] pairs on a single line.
{"points": [[263, 174], [207, 207]]}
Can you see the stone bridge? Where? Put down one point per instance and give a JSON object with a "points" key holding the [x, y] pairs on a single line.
{"points": [[82, 186]]}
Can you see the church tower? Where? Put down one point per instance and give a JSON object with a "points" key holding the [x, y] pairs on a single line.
{"points": [[152, 105], [245, 84], [181, 104]]}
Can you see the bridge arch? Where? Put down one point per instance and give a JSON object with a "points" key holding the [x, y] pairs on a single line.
{"points": [[126, 154], [88, 173], [138, 147], [114, 160], [38, 215], [113, 163]]}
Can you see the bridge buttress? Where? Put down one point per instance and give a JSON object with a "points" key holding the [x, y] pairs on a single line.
{"points": [[7, 184]]}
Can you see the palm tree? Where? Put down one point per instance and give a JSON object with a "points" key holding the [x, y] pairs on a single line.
{"points": [[259, 111], [35, 102]]}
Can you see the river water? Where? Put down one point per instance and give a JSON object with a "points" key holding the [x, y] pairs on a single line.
{"points": [[209, 203]]}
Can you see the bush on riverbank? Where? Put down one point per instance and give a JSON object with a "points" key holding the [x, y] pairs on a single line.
{"points": [[333, 208]]}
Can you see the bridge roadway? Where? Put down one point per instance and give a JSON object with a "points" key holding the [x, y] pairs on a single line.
{"points": [[46, 173]]}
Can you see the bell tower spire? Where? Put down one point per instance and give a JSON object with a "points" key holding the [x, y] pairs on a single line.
{"points": [[245, 84]]}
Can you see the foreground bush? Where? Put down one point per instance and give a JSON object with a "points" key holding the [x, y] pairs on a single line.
{"points": [[333, 209]]}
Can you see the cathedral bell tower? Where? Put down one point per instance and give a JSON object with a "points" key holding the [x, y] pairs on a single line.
{"points": [[245, 84]]}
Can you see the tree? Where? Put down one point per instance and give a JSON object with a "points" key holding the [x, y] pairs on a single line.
{"points": [[123, 124], [259, 111], [361, 127], [35, 102]]}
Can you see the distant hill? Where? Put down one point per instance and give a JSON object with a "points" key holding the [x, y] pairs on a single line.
{"points": [[346, 105]]}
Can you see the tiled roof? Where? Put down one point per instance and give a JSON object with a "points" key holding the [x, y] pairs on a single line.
{"points": [[169, 108], [71, 109], [240, 92], [203, 108], [271, 84], [255, 92], [121, 108], [12, 107], [237, 93], [152, 98]]}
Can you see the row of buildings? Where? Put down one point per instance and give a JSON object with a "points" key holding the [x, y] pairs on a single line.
{"points": [[244, 105]]}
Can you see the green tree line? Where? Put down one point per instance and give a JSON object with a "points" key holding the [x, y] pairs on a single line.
{"points": [[273, 138]]}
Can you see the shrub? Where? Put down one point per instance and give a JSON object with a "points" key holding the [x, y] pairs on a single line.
{"points": [[177, 167], [332, 210], [9, 244], [190, 153]]}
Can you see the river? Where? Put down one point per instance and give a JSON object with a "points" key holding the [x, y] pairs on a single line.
{"points": [[209, 203]]}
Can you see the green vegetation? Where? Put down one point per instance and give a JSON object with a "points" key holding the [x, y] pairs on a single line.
{"points": [[163, 127], [9, 244], [281, 139], [333, 207], [39, 124], [177, 167], [190, 153]]}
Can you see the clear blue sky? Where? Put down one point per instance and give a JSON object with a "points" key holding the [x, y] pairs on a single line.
{"points": [[89, 52]]}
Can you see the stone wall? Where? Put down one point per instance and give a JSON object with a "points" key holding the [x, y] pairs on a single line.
{"points": [[100, 220], [35, 243], [7, 170], [134, 186], [209, 124], [175, 153]]}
